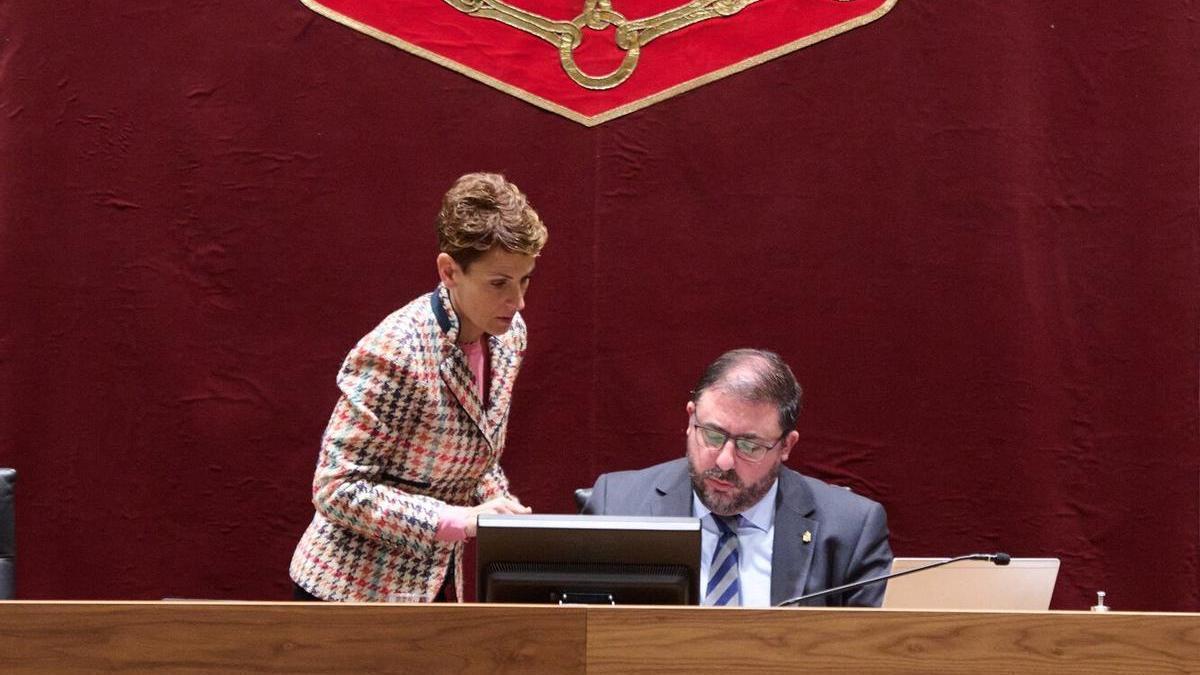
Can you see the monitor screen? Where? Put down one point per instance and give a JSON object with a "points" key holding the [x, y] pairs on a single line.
{"points": [[561, 559]]}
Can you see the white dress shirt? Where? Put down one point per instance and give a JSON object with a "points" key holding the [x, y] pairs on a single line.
{"points": [[756, 538]]}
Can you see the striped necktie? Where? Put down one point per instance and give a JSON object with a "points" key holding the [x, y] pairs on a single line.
{"points": [[723, 586]]}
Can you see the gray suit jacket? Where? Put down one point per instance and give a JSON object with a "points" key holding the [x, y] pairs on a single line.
{"points": [[848, 533]]}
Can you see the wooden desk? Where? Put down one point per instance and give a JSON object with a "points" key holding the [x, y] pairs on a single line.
{"points": [[891, 641], [317, 637]]}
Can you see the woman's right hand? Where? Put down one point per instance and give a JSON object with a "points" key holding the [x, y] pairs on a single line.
{"points": [[498, 505]]}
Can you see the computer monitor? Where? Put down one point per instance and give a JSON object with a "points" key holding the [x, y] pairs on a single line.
{"points": [[579, 559]]}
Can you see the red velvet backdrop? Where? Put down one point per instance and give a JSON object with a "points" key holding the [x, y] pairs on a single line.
{"points": [[971, 227]]}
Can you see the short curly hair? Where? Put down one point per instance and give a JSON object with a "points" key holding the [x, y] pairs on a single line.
{"points": [[482, 210]]}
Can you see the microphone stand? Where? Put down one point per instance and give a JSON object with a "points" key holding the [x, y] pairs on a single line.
{"points": [[996, 558]]}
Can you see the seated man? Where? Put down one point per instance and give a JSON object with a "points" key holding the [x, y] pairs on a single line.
{"points": [[769, 533]]}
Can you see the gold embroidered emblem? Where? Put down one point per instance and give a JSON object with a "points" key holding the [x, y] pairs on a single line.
{"points": [[598, 15]]}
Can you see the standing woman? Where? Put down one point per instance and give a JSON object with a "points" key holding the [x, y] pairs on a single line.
{"points": [[411, 454]]}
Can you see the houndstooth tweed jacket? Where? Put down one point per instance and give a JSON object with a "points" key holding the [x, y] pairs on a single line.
{"points": [[408, 435]]}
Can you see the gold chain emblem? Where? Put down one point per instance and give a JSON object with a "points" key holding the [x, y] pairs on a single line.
{"points": [[597, 15]]}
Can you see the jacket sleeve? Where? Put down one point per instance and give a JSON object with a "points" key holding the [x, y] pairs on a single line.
{"points": [[359, 481], [493, 484]]}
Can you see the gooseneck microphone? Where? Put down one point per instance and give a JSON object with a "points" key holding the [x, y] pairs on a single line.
{"points": [[995, 558]]}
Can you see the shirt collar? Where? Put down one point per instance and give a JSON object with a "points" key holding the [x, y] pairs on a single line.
{"points": [[760, 516]]}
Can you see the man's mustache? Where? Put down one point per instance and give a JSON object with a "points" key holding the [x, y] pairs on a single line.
{"points": [[729, 476]]}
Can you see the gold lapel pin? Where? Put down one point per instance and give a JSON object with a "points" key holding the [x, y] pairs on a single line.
{"points": [[807, 537]]}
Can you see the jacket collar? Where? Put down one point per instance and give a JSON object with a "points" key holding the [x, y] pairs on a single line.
{"points": [[443, 311], [674, 489]]}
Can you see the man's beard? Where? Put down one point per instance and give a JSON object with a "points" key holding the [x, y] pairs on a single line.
{"points": [[744, 496]]}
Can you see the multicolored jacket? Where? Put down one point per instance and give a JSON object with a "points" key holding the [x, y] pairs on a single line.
{"points": [[408, 435]]}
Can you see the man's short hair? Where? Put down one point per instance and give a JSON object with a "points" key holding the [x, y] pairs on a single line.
{"points": [[769, 380], [482, 210]]}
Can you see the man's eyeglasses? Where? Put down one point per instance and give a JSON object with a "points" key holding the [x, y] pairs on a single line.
{"points": [[749, 449]]}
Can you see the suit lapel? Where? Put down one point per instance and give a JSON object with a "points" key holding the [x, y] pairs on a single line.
{"points": [[453, 367], [504, 360], [456, 374], [791, 558]]}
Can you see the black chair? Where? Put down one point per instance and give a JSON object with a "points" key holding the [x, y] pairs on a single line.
{"points": [[581, 497], [8, 537]]}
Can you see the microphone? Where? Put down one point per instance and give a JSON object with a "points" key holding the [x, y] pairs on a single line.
{"points": [[1000, 559]]}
